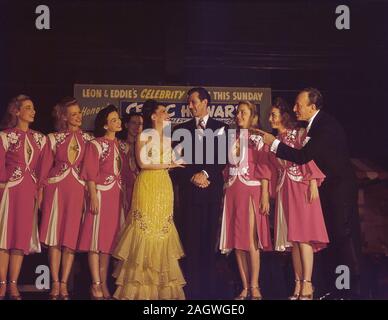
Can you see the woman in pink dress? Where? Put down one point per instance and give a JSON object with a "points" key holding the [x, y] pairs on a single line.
{"points": [[102, 169], [245, 223], [20, 152], [299, 222], [63, 196]]}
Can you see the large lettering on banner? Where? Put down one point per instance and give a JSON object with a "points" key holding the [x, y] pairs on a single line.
{"points": [[130, 99]]}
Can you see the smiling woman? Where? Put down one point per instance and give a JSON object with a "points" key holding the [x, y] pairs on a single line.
{"points": [[63, 191], [21, 103], [20, 155], [104, 173]]}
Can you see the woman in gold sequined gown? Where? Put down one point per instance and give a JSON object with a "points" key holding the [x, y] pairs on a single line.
{"points": [[149, 247]]}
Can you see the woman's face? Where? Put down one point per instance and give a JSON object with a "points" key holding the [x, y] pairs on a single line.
{"points": [[27, 112], [160, 117], [113, 122], [135, 125], [243, 116], [73, 116], [275, 118]]}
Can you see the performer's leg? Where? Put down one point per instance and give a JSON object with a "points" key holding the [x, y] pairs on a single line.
{"points": [[254, 255], [307, 255], [54, 254], [94, 266], [15, 264], [104, 266], [4, 262], [67, 264], [242, 263], [298, 269]]}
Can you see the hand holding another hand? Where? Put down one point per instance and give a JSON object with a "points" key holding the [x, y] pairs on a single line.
{"points": [[200, 180]]}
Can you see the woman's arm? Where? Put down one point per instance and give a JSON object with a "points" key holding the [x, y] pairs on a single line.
{"points": [[93, 197], [313, 190]]}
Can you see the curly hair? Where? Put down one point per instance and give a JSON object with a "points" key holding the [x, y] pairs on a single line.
{"points": [[10, 119], [101, 120], [288, 115], [60, 110]]}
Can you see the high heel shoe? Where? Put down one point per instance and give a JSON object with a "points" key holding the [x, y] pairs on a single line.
{"points": [[2, 283], [64, 296], [54, 296], [253, 297], [309, 296], [13, 296], [295, 296], [241, 296], [92, 296]]}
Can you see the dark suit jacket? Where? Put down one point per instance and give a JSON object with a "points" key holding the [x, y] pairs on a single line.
{"points": [[188, 190], [328, 148]]}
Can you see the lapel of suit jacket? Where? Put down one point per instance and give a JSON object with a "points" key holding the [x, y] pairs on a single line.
{"points": [[315, 124], [191, 125]]}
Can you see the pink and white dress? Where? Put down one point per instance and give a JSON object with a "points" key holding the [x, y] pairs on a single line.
{"points": [[297, 220], [63, 200], [242, 194], [20, 154], [103, 164]]}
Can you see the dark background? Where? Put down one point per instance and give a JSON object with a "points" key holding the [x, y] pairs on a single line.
{"points": [[285, 45]]}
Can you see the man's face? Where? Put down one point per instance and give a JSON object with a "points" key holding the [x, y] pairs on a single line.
{"points": [[197, 107], [302, 108]]}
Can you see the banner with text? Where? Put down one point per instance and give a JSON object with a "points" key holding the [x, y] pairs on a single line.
{"points": [[130, 99]]}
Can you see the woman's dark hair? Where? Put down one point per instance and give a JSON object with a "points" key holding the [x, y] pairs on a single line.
{"points": [[288, 115], [149, 108], [126, 119], [101, 120]]}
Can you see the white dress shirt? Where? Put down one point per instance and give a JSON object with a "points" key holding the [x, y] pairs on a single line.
{"points": [[205, 119], [311, 121]]}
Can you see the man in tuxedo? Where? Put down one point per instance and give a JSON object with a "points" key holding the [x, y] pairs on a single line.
{"points": [[200, 197], [326, 144]]}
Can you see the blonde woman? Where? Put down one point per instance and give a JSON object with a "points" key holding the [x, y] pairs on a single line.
{"points": [[64, 190], [20, 153], [245, 224]]}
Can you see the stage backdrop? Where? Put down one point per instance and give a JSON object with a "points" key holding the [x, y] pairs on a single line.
{"points": [[129, 99]]}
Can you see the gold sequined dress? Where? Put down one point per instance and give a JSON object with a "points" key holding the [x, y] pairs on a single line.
{"points": [[149, 247]]}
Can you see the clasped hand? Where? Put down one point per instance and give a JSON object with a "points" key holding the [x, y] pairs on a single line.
{"points": [[200, 180]]}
